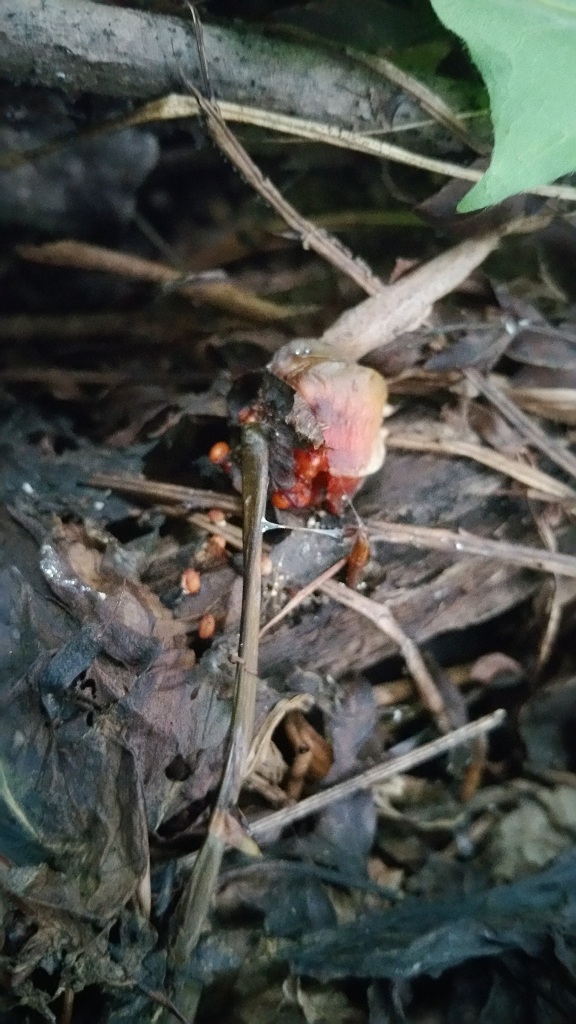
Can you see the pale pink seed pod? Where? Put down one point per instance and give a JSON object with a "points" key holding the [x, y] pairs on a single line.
{"points": [[347, 401]]}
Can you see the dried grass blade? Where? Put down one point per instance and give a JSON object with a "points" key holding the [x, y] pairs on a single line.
{"points": [[302, 594], [433, 538], [195, 902], [557, 404], [219, 295], [383, 618], [270, 824], [525, 474], [175, 106], [555, 603], [330, 248], [403, 306], [530, 430]]}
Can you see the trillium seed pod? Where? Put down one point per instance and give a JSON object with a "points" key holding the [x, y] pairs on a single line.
{"points": [[345, 404]]}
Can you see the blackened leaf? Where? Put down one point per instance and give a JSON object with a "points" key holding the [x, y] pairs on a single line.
{"points": [[429, 938]]}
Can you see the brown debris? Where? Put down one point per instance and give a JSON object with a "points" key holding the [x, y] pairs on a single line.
{"points": [[175, 798]]}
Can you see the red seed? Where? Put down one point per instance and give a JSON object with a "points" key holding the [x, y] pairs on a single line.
{"points": [[266, 564], [216, 515], [357, 560], [308, 464], [339, 488], [280, 501], [207, 626], [219, 453], [190, 581], [215, 544]]}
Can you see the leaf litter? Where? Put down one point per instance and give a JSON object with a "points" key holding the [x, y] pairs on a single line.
{"points": [[310, 851]]}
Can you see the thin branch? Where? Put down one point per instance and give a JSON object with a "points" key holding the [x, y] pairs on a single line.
{"points": [[311, 237], [383, 618], [521, 471], [530, 430], [302, 594], [220, 295], [85, 47], [190, 497], [271, 823], [195, 902], [435, 539]]}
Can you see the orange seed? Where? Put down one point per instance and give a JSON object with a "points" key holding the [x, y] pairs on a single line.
{"points": [[190, 581], [216, 515], [207, 626], [219, 453]]}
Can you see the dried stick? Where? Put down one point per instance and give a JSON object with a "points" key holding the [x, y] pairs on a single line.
{"points": [[190, 497], [521, 471], [404, 305], [311, 237], [85, 47], [271, 823], [175, 106], [383, 618], [195, 902], [302, 594], [426, 98], [82, 256], [435, 539], [530, 430]]}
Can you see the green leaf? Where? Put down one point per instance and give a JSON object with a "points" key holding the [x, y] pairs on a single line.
{"points": [[526, 52]]}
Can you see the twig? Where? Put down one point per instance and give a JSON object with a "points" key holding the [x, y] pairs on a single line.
{"points": [[426, 98], [461, 541], [162, 1000], [82, 256], [85, 47], [527, 427], [311, 237], [383, 618], [555, 603], [176, 106], [271, 823], [404, 305], [302, 594], [195, 902], [190, 497], [525, 474]]}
